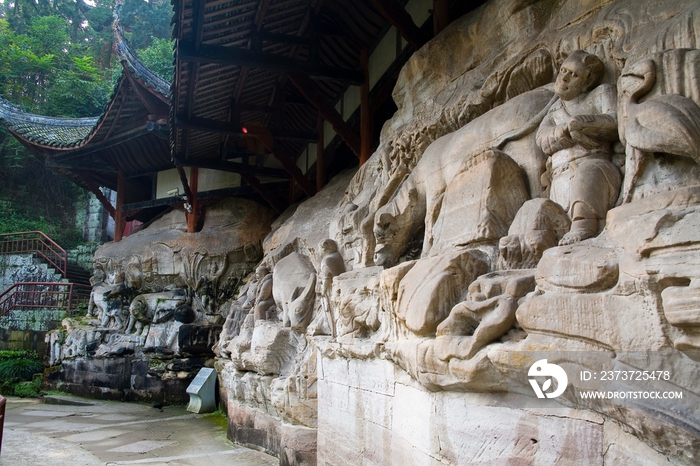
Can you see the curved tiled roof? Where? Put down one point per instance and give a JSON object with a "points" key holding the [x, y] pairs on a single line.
{"points": [[47, 131], [73, 133], [131, 60]]}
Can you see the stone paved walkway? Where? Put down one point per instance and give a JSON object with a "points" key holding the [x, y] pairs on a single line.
{"points": [[112, 433]]}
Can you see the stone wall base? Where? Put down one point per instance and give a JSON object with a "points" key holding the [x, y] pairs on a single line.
{"points": [[27, 340], [294, 445], [372, 413], [122, 379]]}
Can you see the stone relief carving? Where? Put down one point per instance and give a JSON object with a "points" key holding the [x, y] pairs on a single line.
{"points": [[577, 134], [486, 315], [446, 168], [497, 227], [160, 294], [332, 265], [659, 122]]}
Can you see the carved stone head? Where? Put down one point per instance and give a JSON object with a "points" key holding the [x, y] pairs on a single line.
{"points": [[579, 73]]}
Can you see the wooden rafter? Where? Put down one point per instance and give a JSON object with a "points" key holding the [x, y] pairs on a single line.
{"points": [[223, 55]]}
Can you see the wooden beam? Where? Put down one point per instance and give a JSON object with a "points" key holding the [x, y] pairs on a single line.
{"points": [[223, 55], [284, 38], [207, 125], [94, 189], [402, 21], [234, 167], [329, 113], [254, 183], [365, 112], [288, 163], [79, 165], [293, 135]]}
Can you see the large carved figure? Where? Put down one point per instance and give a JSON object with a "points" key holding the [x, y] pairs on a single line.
{"points": [[418, 202], [294, 291], [263, 294], [332, 265], [577, 134]]}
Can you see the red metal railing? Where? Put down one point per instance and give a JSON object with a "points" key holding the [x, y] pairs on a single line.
{"points": [[39, 295], [38, 243]]}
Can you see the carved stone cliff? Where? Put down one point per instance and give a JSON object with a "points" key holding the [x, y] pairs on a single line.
{"points": [[525, 235]]}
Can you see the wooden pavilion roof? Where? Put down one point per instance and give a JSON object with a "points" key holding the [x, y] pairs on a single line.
{"points": [[130, 136], [252, 81]]}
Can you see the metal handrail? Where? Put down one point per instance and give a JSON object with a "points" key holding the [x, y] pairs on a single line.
{"points": [[37, 295], [35, 242]]}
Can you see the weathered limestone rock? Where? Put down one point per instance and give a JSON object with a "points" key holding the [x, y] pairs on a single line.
{"points": [[586, 269], [538, 225], [418, 201], [158, 295], [563, 136]]}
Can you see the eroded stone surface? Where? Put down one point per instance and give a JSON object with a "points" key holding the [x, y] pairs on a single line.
{"points": [[527, 201]]}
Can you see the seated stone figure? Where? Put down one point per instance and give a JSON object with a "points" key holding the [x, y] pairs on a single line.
{"points": [[577, 134]]}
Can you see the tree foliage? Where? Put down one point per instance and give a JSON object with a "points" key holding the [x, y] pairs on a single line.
{"points": [[56, 59]]}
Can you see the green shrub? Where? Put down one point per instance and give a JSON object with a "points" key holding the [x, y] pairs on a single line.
{"points": [[13, 354], [28, 389], [22, 368]]}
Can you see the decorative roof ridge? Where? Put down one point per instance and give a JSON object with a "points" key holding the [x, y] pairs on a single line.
{"points": [[134, 64], [11, 113]]}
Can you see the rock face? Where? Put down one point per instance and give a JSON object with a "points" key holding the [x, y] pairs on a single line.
{"points": [[520, 259], [158, 304]]}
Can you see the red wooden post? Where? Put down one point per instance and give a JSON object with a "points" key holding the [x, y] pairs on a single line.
{"points": [[320, 161], [365, 113], [441, 15], [194, 204], [118, 214]]}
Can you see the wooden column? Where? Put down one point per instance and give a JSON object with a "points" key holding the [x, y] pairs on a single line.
{"points": [[193, 216], [365, 112], [320, 161], [441, 15], [119, 220]]}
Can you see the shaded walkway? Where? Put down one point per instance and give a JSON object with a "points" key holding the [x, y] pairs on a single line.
{"points": [[114, 433]]}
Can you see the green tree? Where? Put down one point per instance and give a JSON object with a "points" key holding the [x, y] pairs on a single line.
{"points": [[56, 59], [158, 57]]}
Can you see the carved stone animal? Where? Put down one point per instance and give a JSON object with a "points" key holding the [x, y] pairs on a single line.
{"points": [[666, 123], [417, 202]]}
